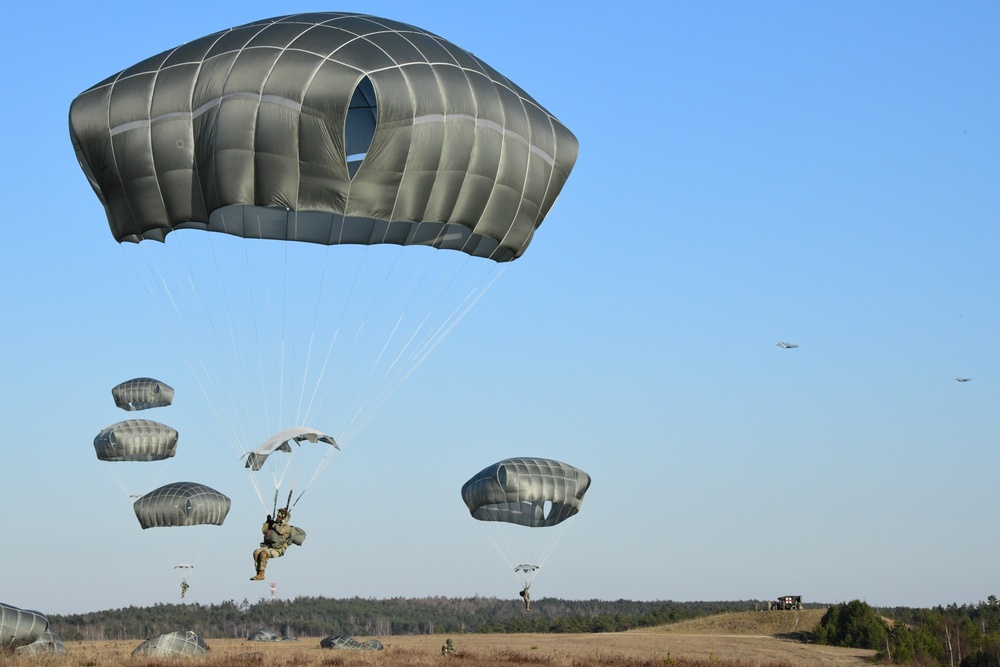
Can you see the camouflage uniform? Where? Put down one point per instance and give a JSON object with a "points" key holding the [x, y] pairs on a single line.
{"points": [[527, 598], [277, 538], [184, 587]]}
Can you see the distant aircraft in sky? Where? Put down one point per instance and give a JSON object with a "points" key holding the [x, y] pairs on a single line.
{"points": [[958, 379], [786, 346]]}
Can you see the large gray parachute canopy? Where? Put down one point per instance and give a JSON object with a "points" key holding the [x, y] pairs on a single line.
{"points": [[181, 504], [180, 643], [326, 128], [142, 394], [282, 442], [48, 642], [136, 440], [19, 627], [526, 491]]}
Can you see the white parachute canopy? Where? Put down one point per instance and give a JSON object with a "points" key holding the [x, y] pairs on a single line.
{"points": [[282, 442], [311, 454]]}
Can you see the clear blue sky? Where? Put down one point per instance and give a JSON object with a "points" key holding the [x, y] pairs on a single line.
{"points": [[821, 173]]}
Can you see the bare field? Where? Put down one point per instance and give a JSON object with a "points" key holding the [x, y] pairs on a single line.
{"points": [[748, 623], [728, 640]]}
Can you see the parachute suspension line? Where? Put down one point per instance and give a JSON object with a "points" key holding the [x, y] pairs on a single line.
{"points": [[284, 339], [238, 434], [320, 467], [172, 314], [305, 409], [460, 312], [252, 274], [504, 544], [398, 372], [176, 302], [415, 287], [222, 400], [189, 551], [557, 533], [351, 298], [520, 545]]}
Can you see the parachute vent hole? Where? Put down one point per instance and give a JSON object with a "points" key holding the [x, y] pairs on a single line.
{"points": [[362, 118]]}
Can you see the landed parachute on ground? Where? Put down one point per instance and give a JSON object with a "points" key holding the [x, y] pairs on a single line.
{"points": [[19, 627], [340, 642], [526, 491], [48, 642], [136, 440], [142, 394], [264, 636], [180, 643], [181, 504]]}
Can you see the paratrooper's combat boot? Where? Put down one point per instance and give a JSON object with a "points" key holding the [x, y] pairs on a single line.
{"points": [[260, 560]]}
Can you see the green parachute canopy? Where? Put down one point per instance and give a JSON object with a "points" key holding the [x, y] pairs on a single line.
{"points": [[136, 440], [526, 491], [48, 642], [20, 627], [172, 644], [181, 504], [327, 128], [142, 394], [344, 643]]}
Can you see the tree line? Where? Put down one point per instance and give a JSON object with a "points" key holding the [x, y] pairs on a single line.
{"points": [[321, 617], [965, 635]]}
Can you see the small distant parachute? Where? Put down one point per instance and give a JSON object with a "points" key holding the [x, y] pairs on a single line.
{"points": [[527, 568], [181, 504], [48, 642], [142, 394], [340, 642], [181, 643], [183, 566], [282, 442], [19, 627], [786, 346], [526, 491], [136, 440], [961, 379]]}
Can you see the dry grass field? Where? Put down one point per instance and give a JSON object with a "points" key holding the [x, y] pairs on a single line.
{"points": [[729, 640]]}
